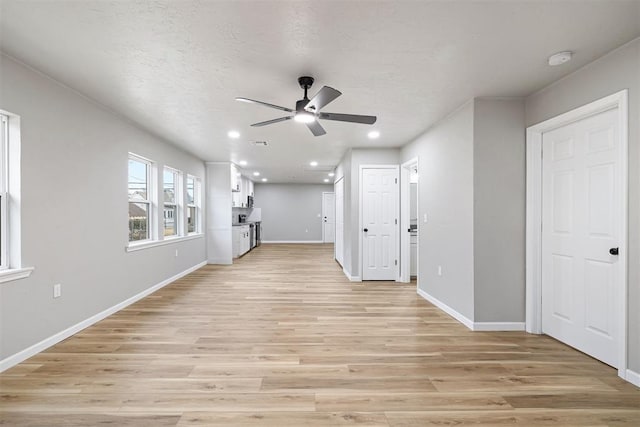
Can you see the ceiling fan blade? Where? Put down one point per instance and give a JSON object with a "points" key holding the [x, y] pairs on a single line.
{"points": [[353, 118], [322, 98], [266, 104], [268, 122], [316, 129]]}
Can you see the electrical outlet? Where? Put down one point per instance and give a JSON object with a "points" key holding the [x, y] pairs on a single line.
{"points": [[176, 253], [306, 230], [439, 270], [425, 218], [57, 290]]}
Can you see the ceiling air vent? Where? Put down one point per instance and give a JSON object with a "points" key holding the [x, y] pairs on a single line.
{"points": [[259, 143]]}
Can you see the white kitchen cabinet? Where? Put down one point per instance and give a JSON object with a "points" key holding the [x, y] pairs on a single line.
{"points": [[245, 244], [235, 178], [250, 191], [235, 235], [241, 240]]}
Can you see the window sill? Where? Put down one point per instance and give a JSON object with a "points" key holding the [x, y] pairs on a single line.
{"points": [[15, 274], [152, 244]]}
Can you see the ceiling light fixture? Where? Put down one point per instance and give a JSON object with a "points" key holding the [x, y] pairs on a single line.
{"points": [[233, 134], [264, 179], [242, 163], [332, 174], [314, 163], [326, 180], [304, 117], [256, 173], [373, 134], [560, 58]]}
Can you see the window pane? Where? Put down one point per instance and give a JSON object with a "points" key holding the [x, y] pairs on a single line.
{"points": [[190, 190], [138, 221], [169, 179], [191, 219], [137, 180], [170, 217]]}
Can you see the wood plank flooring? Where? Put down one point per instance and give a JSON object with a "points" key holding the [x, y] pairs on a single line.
{"points": [[282, 338]]}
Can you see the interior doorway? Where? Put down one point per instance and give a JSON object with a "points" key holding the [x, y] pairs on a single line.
{"points": [[409, 230], [379, 222], [576, 229], [328, 217]]}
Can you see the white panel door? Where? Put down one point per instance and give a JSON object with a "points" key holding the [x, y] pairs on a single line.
{"points": [[380, 224], [328, 217], [581, 217], [339, 243]]}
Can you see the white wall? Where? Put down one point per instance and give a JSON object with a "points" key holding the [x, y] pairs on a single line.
{"points": [[445, 168], [615, 71], [74, 210], [499, 210], [291, 212]]}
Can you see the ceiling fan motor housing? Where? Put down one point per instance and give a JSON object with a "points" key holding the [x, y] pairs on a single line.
{"points": [[305, 82]]}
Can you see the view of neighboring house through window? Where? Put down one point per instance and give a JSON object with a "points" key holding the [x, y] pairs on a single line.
{"points": [[193, 204], [140, 205], [4, 143], [171, 194]]}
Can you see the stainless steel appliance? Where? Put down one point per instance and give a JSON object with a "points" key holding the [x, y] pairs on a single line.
{"points": [[258, 233], [242, 218]]}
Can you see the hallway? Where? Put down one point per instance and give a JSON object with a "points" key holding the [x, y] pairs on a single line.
{"points": [[282, 338]]}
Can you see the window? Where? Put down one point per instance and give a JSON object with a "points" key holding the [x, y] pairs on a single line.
{"points": [[140, 199], [172, 202], [4, 219], [193, 204]]}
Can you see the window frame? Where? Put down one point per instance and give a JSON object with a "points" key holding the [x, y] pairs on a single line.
{"points": [[149, 201], [10, 223], [197, 197], [178, 203], [4, 193]]}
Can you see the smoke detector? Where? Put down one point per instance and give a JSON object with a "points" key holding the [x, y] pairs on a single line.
{"points": [[560, 58]]}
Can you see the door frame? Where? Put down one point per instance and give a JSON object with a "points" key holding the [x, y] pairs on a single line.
{"points": [[405, 216], [334, 217], [360, 238], [339, 181], [533, 280]]}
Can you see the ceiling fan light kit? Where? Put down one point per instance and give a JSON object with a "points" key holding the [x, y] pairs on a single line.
{"points": [[308, 110]]}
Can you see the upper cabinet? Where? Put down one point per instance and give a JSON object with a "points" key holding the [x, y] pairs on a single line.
{"points": [[235, 178], [241, 187]]}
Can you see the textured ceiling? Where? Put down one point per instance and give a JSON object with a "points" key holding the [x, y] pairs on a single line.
{"points": [[176, 67]]}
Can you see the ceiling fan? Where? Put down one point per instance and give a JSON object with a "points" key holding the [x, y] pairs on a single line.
{"points": [[308, 110]]}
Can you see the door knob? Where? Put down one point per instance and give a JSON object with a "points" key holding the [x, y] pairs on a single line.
{"points": [[613, 251], [365, 230]]}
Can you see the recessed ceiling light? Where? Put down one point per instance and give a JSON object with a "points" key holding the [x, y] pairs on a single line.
{"points": [[256, 174], [233, 134], [264, 179], [242, 163], [373, 134], [326, 180], [560, 58], [331, 174], [314, 163]]}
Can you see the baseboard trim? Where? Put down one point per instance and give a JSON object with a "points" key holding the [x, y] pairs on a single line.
{"points": [[633, 377], [219, 261], [23, 355], [444, 307], [350, 277], [498, 326], [292, 241]]}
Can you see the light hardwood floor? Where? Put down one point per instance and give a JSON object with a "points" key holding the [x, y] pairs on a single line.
{"points": [[282, 338]]}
